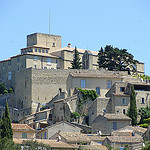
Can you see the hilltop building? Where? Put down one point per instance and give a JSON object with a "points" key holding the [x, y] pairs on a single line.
{"points": [[42, 73]]}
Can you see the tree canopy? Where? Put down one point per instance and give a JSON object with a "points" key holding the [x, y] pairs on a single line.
{"points": [[132, 111], [116, 59], [76, 64]]}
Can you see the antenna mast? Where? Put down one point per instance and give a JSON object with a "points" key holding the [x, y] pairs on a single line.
{"points": [[49, 20]]}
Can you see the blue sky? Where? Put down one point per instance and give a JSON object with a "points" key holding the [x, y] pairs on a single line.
{"points": [[87, 24]]}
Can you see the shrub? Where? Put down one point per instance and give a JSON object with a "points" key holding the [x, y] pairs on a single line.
{"points": [[143, 125], [147, 120], [10, 90]]}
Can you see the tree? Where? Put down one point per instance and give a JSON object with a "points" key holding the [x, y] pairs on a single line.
{"points": [[115, 59], [147, 146], [3, 88], [144, 113], [6, 124], [132, 111], [76, 64]]}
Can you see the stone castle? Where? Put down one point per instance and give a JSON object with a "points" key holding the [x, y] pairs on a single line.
{"points": [[41, 73]]}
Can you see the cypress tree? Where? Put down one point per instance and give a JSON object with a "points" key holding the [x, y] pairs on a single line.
{"points": [[132, 112], [6, 124], [76, 64]]}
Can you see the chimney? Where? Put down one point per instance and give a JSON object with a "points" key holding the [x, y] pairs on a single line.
{"points": [[69, 45]]}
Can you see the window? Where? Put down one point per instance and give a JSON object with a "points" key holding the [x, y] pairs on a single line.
{"points": [[114, 125], [53, 44], [92, 112], [35, 49], [49, 61], [143, 101], [35, 58], [98, 90], [42, 50], [9, 75], [61, 118], [39, 50], [45, 135], [122, 89], [3, 76], [35, 66], [24, 135], [109, 83], [18, 59], [82, 83], [46, 51], [9, 63], [41, 136], [18, 68], [124, 111], [56, 61], [123, 101]]}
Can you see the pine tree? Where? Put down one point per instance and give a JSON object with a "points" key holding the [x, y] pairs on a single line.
{"points": [[132, 112], [76, 64], [6, 124]]}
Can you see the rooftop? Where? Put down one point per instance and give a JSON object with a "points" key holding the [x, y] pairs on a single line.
{"points": [[52, 143], [116, 116], [21, 127]]}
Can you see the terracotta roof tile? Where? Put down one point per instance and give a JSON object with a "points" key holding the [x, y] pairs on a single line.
{"points": [[116, 116], [125, 139], [52, 143], [21, 127]]}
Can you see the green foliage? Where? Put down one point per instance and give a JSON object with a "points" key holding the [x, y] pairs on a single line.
{"points": [[132, 111], [6, 124], [88, 94], [34, 145], [147, 120], [75, 115], [145, 125], [115, 59], [147, 146], [76, 64], [8, 144], [10, 90], [144, 77], [144, 113], [3, 88]]}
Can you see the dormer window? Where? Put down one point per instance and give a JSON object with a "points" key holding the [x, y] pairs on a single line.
{"points": [[122, 89]]}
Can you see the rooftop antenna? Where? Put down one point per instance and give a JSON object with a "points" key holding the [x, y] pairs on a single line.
{"points": [[49, 20]]}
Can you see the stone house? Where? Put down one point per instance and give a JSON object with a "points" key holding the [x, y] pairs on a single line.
{"points": [[22, 131], [39, 119], [62, 126], [76, 138], [108, 122], [133, 142]]}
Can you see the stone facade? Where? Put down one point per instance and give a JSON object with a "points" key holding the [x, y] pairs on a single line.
{"points": [[108, 122]]}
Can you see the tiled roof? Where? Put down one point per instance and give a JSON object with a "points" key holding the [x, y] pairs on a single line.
{"points": [[140, 83], [120, 94], [95, 137], [116, 116], [52, 143], [90, 75], [94, 147], [133, 128], [21, 127], [79, 50], [75, 136], [125, 139]]}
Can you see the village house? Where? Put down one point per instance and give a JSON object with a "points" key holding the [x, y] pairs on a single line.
{"points": [[23, 131], [107, 122], [62, 126], [54, 144]]}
